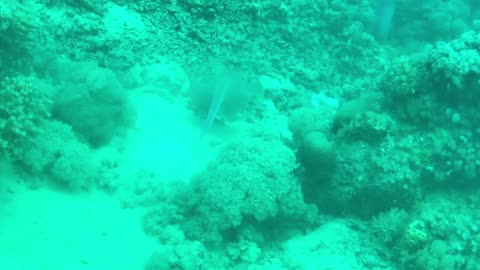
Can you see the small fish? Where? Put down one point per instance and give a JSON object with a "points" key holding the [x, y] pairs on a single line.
{"points": [[217, 100]]}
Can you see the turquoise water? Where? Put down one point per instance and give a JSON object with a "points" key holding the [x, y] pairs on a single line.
{"points": [[194, 134]]}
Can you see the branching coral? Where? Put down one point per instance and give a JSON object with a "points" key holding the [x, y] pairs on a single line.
{"points": [[456, 64], [22, 110], [59, 155], [251, 179]]}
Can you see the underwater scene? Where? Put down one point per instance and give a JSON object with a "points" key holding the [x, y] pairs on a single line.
{"points": [[240, 135]]}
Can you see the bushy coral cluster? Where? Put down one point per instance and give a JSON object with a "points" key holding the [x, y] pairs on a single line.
{"points": [[436, 92], [446, 74], [250, 180], [22, 111], [372, 179], [58, 154], [455, 67], [19, 27], [407, 88], [44, 147]]}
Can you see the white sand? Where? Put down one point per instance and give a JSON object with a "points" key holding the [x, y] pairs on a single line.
{"points": [[47, 229]]}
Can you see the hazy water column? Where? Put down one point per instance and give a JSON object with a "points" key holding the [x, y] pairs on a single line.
{"points": [[384, 12]]}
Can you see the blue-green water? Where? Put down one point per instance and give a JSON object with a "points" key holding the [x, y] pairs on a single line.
{"points": [[243, 135]]}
